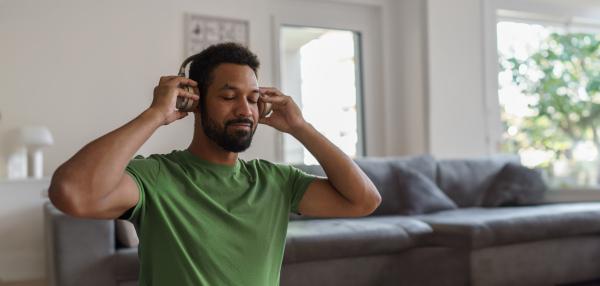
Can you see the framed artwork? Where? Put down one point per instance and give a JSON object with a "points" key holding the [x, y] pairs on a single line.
{"points": [[203, 31]]}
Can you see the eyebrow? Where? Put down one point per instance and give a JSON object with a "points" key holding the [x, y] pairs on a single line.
{"points": [[232, 87]]}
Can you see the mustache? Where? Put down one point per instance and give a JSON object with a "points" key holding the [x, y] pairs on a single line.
{"points": [[240, 120]]}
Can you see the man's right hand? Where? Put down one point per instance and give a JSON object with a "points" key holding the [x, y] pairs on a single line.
{"points": [[93, 183], [165, 97]]}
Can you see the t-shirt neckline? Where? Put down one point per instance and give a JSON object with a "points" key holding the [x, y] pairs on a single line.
{"points": [[195, 160]]}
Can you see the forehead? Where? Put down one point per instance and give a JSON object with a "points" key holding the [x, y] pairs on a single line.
{"points": [[234, 74]]}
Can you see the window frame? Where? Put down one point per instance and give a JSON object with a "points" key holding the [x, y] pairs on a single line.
{"points": [[356, 19], [562, 14], [360, 110]]}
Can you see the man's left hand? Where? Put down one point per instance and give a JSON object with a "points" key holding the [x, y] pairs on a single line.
{"points": [[286, 115]]}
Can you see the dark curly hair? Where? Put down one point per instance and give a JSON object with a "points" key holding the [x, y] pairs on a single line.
{"points": [[204, 63]]}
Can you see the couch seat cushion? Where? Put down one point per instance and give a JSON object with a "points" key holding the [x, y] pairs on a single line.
{"points": [[473, 228], [128, 264], [349, 237]]}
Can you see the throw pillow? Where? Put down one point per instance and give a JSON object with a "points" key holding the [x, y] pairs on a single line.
{"points": [[515, 185], [417, 194], [126, 233]]}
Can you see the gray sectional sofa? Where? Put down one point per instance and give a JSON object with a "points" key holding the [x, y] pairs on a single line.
{"points": [[477, 221]]}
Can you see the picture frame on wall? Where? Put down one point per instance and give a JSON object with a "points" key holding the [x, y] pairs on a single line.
{"points": [[203, 31]]}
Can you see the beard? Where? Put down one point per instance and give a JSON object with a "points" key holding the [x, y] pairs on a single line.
{"points": [[236, 141]]}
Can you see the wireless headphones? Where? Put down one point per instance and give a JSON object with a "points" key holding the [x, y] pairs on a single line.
{"points": [[187, 104]]}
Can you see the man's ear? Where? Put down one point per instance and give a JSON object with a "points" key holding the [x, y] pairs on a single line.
{"points": [[196, 110], [197, 115]]}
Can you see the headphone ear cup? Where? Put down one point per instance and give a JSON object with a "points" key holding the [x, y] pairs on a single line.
{"points": [[187, 104], [264, 108]]}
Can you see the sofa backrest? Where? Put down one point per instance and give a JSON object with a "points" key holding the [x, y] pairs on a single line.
{"points": [[465, 181], [382, 172]]}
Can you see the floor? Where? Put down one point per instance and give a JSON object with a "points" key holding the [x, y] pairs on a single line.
{"points": [[588, 283], [25, 283]]}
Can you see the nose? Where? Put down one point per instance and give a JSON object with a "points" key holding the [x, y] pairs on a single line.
{"points": [[243, 108]]}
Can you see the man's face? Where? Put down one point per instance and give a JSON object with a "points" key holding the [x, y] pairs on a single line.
{"points": [[230, 114]]}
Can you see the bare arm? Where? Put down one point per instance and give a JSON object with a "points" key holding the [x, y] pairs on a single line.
{"points": [[92, 183], [347, 191]]}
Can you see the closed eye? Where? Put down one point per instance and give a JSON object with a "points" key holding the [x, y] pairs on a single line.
{"points": [[255, 96]]}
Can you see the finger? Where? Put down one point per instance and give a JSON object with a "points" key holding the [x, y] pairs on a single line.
{"points": [[276, 99], [165, 79], [179, 80], [266, 98], [264, 120], [187, 81], [184, 93], [182, 114], [176, 80], [271, 91]]}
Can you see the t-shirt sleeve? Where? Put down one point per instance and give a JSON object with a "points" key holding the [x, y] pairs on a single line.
{"points": [[300, 182], [145, 172]]}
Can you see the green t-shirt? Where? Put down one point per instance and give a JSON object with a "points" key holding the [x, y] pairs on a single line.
{"points": [[201, 223]]}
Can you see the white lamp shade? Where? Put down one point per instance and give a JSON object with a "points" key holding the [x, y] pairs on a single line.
{"points": [[35, 136]]}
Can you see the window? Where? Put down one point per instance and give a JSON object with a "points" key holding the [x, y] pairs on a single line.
{"points": [[549, 95], [320, 69]]}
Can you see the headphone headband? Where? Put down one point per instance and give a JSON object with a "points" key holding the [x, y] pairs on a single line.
{"points": [[187, 104], [184, 64]]}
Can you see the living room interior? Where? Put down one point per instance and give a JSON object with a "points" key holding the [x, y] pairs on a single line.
{"points": [[429, 82]]}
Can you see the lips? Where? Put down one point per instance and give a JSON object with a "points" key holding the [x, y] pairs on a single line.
{"points": [[240, 123]]}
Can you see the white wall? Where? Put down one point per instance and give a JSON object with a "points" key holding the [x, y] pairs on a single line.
{"points": [[84, 68], [405, 65], [456, 78]]}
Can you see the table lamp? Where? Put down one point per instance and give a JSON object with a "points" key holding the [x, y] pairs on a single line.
{"points": [[35, 137]]}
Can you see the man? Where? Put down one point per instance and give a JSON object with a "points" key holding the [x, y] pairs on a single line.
{"points": [[204, 216]]}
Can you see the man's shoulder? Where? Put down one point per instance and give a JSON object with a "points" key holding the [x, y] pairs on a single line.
{"points": [[173, 156], [286, 171], [264, 164], [266, 167], [154, 160]]}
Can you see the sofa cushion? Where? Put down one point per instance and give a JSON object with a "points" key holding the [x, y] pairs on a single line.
{"points": [[466, 180], [515, 185], [415, 194], [377, 167], [349, 237], [383, 174], [126, 234], [473, 228]]}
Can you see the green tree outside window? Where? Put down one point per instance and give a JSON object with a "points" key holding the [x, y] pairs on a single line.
{"points": [[560, 80]]}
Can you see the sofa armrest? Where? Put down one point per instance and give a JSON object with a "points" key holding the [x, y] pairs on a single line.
{"points": [[78, 251]]}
